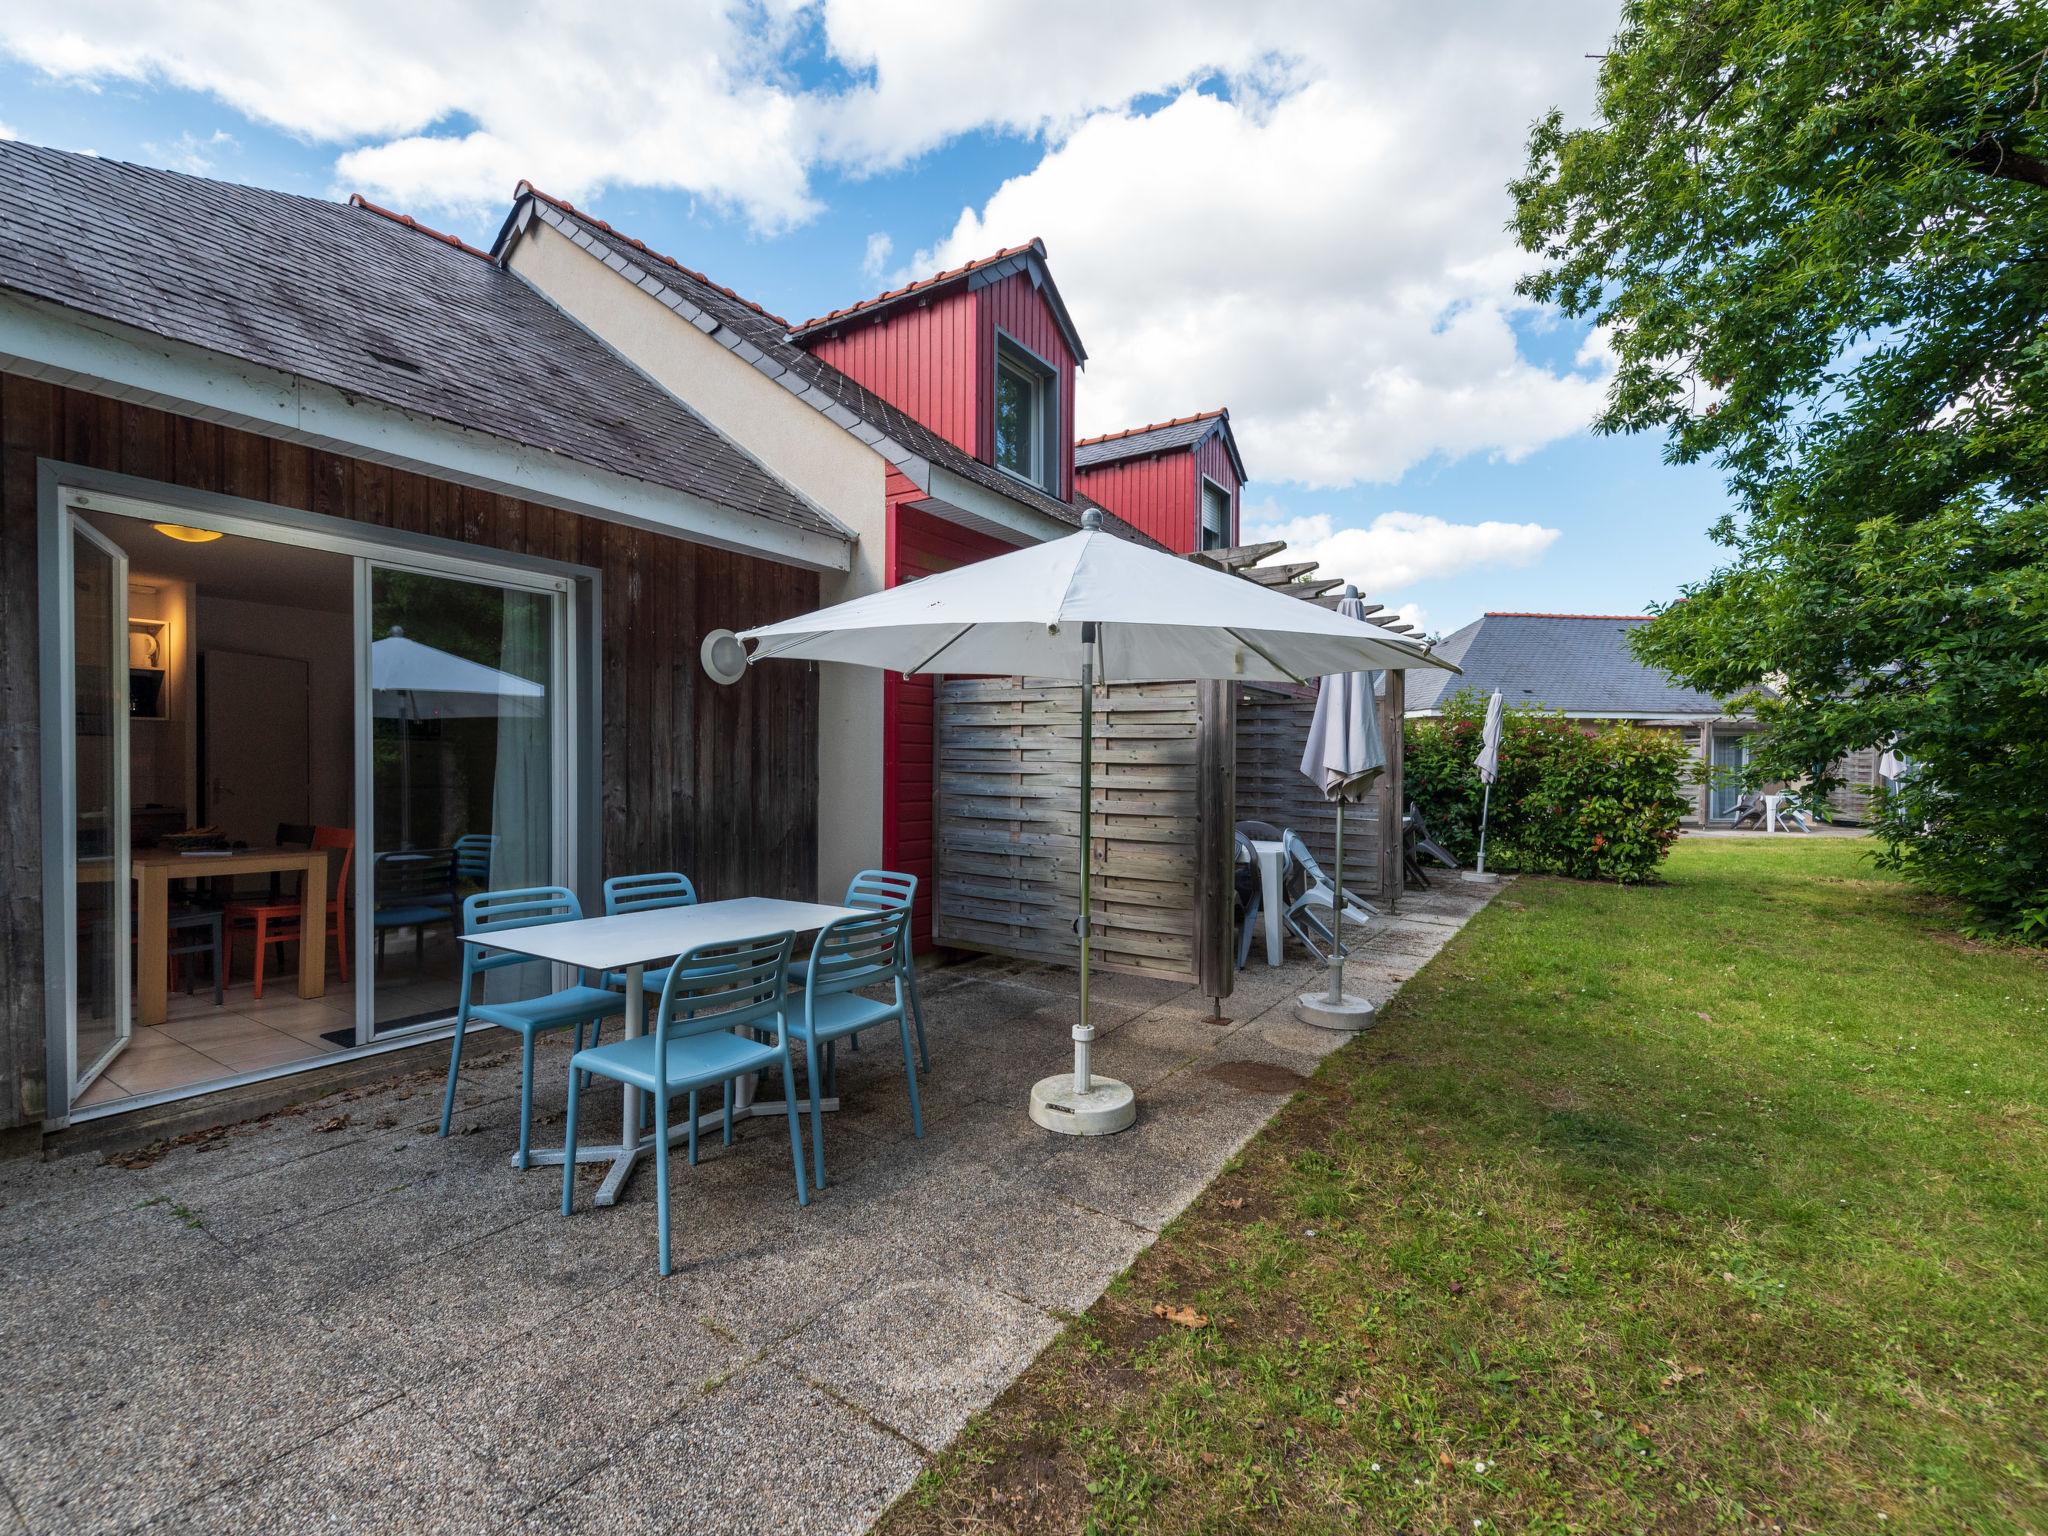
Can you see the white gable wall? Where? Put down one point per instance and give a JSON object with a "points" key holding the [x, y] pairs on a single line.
{"points": [[826, 463]]}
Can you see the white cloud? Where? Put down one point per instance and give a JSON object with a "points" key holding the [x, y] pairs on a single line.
{"points": [[7, 131], [880, 248], [190, 153], [1398, 549], [1294, 208]]}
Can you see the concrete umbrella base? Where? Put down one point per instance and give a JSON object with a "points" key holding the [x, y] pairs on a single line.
{"points": [[1106, 1108], [1348, 1013]]}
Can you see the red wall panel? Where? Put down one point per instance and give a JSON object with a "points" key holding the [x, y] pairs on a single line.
{"points": [[1212, 458], [919, 545], [1155, 495], [920, 358], [1016, 308]]}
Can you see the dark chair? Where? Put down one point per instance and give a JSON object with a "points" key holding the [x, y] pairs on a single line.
{"points": [[1260, 831], [208, 927], [1415, 842], [414, 889]]}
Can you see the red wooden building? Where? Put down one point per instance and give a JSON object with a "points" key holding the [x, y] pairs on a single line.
{"points": [[985, 355], [1180, 481]]}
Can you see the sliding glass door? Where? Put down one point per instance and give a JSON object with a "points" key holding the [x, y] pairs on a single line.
{"points": [[466, 769], [96, 716]]}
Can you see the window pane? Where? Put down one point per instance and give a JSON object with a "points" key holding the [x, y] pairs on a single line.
{"points": [[1016, 402], [1215, 516]]}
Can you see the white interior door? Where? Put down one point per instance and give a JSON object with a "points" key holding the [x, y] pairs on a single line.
{"points": [[258, 758], [96, 708]]}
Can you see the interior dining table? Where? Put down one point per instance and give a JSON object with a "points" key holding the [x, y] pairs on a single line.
{"points": [[630, 942], [155, 870]]}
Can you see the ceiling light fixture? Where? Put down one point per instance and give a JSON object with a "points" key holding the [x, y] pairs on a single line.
{"points": [[185, 535]]}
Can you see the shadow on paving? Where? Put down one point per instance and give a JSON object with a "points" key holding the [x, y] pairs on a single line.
{"points": [[334, 1319]]}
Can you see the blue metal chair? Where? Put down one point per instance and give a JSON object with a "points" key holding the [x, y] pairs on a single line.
{"points": [[850, 954], [643, 893], [572, 1007], [884, 890], [715, 1002]]}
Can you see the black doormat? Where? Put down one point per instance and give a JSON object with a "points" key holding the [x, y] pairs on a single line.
{"points": [[341, 1037]]}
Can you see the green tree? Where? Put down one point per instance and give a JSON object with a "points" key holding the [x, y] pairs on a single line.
{"points": [[1818, 236]]}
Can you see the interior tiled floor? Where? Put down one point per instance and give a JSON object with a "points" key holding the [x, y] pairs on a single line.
{"points": [[200, 1042]]}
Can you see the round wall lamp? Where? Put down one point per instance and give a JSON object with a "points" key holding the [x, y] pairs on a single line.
{"points": [[724, 658], [185, 535]]}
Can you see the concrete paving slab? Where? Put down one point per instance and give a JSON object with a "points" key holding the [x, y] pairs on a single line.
{"points": [[763, 1453], [395, 1469], [920, 1354]]}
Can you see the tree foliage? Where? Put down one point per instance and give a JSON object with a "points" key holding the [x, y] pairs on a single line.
{"points": [[1818, 236]]}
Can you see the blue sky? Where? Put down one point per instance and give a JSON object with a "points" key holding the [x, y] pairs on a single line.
{"points": [[1357, 319]]}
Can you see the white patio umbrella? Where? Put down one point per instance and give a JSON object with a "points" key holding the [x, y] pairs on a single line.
{"points": [[1488, 764], [1100, 609], [412, 682], [1343, 757]]}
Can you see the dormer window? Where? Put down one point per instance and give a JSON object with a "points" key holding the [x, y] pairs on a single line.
{"points": [[1215, 515], [1026, 386]]}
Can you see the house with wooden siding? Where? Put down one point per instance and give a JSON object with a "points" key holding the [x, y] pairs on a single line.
{"points": [[1580, 665], [935, 420], [1181, 481], [335, 555]]}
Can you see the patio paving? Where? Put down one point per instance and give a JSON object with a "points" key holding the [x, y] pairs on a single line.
{"points": [[334, 1320]]}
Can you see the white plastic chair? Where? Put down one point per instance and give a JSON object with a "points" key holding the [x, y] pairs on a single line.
{"points": [[1313, 916]]}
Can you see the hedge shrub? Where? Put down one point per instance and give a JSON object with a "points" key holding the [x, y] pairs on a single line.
{"points": [[1597, 806]]}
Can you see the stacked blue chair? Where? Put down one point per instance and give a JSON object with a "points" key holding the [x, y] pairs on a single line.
{"points": [[571, 1008], [852, 953], [884, 890], [715, 1003], [645, 893]]}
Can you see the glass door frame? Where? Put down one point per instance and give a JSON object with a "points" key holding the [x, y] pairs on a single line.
{"points": [[74, 1076], [64, 489], [561, 671], [1723, 778]]}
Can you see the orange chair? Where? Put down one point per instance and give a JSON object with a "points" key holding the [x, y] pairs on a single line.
{"points": [[277, 922]]}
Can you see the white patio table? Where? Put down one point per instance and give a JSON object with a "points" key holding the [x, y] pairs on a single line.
{"points": [[1272, 892], [630, 942]]}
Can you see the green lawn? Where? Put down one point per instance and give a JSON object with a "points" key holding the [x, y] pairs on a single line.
{"points": [[1712, 1205]]}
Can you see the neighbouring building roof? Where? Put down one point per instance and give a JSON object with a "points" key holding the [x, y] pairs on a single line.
{"points": [[1575, 662], [1183, 432], [366, 302], [1028, 258], [758, 337]]}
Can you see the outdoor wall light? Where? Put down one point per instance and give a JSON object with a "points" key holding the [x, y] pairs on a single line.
{"points": [[185, 535]]}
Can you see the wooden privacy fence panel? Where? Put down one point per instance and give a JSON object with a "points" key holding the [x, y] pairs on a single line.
{"points": [[1272, 728], [1008, 822]]}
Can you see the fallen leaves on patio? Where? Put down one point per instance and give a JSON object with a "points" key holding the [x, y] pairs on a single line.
{"points": [[338, 1123], [1180, 1317]]}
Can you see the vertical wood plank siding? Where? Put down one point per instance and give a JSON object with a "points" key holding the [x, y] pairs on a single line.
{"points": [[1019, 310], [1212, 459], [1272, 726], [720, 782], [919, 545], [1156, 495], [919, 358], [1009, 803], [1161, 494]]}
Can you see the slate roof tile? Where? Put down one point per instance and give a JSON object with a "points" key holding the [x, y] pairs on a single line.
{"points": [[365, 302]]}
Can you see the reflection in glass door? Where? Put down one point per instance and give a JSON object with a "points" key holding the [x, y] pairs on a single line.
{"points": [[97, 724], [1731, 757], [464, 701]]}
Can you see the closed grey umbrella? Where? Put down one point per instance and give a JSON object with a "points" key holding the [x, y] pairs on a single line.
{"points": [[1344, 758]]}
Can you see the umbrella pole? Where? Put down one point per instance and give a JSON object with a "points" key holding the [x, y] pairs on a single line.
{"points": [[1079, 1103], [1337, 920], [1084, 1032], [1485, 807]]}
